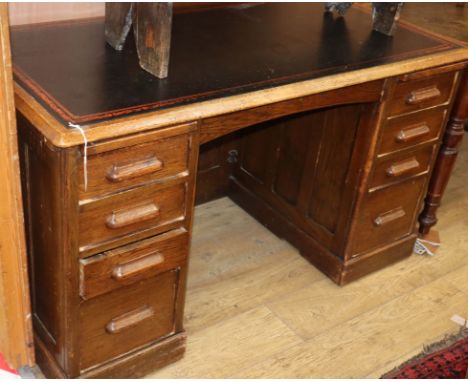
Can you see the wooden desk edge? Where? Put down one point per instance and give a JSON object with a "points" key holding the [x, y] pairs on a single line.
{"points": [[61, 136]]}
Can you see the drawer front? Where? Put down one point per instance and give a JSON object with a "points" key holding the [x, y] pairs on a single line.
{"points": [[413, 129], [117, 322], [136, 165], [134, 262], [422, 93], [400, 166], [144, 211], [388, 214]]}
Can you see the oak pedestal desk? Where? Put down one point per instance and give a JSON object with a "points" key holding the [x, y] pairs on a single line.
{"points": [[323, 130]]}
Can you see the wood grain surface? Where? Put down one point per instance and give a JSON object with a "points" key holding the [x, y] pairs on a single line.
{"points": [[15, 316]]}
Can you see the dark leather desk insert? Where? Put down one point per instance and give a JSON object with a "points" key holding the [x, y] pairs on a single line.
{"points": [[337, 165], [213, 54]]}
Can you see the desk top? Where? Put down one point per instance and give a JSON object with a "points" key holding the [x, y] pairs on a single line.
{"points": [[222, 60]]}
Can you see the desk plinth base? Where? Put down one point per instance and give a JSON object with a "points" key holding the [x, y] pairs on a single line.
{"points": [[339, 271], [132, 365]]}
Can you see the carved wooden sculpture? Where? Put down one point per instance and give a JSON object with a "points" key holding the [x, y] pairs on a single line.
{"points": [[152, 24]]}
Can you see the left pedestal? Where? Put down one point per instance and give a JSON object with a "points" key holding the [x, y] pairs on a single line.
{"points": [[108, 257]]}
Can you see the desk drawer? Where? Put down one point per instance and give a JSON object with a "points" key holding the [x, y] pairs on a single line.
{"points": [[131, 263], [400, 166], [144, 211], [421, 93], [132, 166], [388, 214], [117, 322], [409, 130]]}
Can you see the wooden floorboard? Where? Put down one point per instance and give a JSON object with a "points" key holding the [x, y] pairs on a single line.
{"points": [[237, 343], [255, 308], [356, 347], [285, 275], [459, 279]]}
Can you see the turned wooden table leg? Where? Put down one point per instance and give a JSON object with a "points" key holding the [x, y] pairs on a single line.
{"points": [[446, 158]]}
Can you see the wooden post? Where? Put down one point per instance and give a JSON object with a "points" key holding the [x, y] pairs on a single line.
{"points": [[15, 315], [152, 25], [118, 23], [446, 158], [385, 17]]}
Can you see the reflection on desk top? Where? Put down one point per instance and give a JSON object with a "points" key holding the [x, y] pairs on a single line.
{"points": [[218, 54]]}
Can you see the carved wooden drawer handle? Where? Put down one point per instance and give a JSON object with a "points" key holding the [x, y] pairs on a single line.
{"points": [[412, 132], [400, 168], [421, 95], [119, 173], [117, 324], [139, 214], [132, 268], [389, 216]]}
